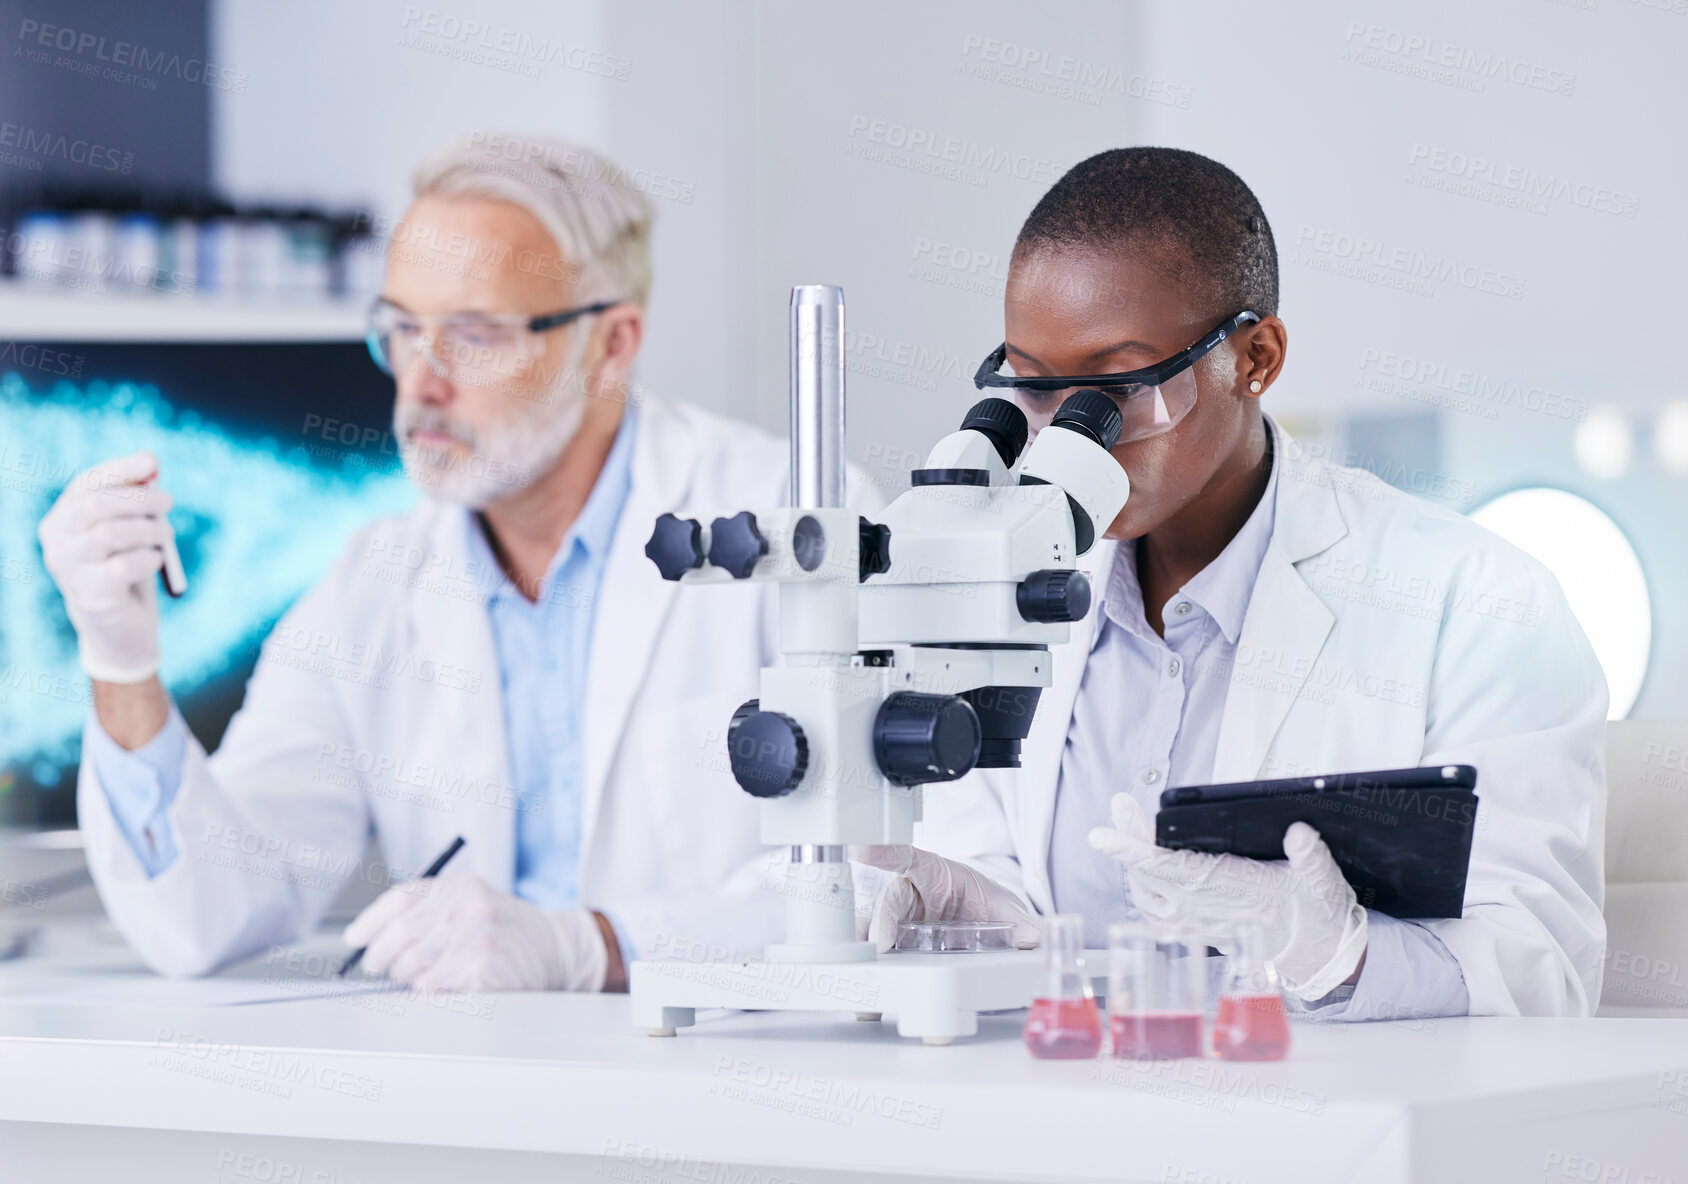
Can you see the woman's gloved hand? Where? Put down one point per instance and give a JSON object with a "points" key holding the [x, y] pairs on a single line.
{"points": [[458, 933], [1312, 920], [928, 887]]}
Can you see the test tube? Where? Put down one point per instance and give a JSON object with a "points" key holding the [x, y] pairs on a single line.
{"points": [[175, 575], [1157, 988], [1063, 1023], [1250, 1024]]}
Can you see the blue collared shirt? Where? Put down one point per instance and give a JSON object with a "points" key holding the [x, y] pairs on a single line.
{"points": [[1147, 717], [543, 646]]}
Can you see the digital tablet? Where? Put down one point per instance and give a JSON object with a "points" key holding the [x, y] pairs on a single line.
{"points": [[1402, 837]]}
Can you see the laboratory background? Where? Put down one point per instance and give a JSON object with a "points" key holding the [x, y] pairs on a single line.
{"points": [[1478, 209], [1479, 273]]}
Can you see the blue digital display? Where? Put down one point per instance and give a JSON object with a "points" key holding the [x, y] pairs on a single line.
{"points": [[259, 517]]}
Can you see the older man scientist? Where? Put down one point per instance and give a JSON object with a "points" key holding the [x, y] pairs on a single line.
{"points": [[580, 688], [1240, 632]]}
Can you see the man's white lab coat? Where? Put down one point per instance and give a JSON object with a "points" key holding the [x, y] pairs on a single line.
{"points": [[1383, 633], [377, 707]]}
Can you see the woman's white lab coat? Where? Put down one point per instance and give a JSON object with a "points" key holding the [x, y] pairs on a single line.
{"points": [[1383, 633], [377, 707]]}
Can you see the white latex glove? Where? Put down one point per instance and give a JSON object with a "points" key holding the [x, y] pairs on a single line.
{"points": [[458, 933], [103, 543], [928, 887], [1311, 917]]}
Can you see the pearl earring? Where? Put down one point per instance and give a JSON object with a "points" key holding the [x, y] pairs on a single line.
{"points": [[1254, 386]]}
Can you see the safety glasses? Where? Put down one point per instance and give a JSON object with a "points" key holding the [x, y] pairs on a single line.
{"points": [[473, 341], [1151, 400]]}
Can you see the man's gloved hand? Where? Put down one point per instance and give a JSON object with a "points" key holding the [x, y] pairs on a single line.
{"points": [[103, 543], [458, 933], [1313, 923], [928, 887]]}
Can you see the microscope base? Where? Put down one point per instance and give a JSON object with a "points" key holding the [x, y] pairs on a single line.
{"points": [[933, 997]]}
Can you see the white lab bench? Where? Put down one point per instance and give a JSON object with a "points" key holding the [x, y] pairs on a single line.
{"points": [[561, 1088]]}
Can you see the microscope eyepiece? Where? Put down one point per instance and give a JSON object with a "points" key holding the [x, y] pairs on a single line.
{"points": [[1003, 424], [1093, 414], [1094, 482]]}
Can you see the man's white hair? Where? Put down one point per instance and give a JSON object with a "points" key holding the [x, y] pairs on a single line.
{"points": [[601, 223]]}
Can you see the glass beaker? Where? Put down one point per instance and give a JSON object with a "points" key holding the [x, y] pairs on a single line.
{"points": [[1251, 1024], [1157, 992], [1063, 1023]]}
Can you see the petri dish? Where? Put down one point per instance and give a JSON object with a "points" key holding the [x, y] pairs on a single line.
{"points": [[955, 937]]}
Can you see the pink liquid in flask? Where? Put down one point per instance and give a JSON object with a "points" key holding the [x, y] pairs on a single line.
{"points": [[1156, 1037], [1064, 1023], [1251, 1028], [1064, 1029]]}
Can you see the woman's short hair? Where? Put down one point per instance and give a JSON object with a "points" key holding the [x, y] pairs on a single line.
{"points": [[1165, 198]]}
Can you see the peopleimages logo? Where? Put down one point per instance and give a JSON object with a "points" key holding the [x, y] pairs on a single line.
{"points": [[927, 151], [1526, 182], [1315, 244], [1061, 75], [505, 48], [52, 146], [1460, 388], [1408, 51], [42, 358], [573, 165], [126, 61]]}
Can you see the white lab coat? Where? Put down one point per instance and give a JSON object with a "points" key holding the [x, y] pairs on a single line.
{"points": [[377, 708], [1383, 633]]}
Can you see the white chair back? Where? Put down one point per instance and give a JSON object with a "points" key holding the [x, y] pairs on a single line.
{"points": [[1646, 866]]}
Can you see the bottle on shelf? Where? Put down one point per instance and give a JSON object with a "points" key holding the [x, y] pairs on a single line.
{"points": [[98, 242]]}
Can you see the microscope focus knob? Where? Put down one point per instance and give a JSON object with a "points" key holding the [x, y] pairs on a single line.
{"points": [[736, 544], [1053, 595], [768, 751], [676, 546], [921, 738], [874, 548]]}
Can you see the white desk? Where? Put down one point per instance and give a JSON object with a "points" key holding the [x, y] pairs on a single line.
{"points": [[558, 1088]]}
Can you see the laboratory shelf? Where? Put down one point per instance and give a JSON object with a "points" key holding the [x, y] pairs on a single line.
{"points": [[37, 313]]}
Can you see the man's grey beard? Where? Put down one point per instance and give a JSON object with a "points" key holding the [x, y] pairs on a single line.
{"points": [[505, 459]]}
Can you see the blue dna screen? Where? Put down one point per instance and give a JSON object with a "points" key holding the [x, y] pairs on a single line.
{"points": [[274, 453]]}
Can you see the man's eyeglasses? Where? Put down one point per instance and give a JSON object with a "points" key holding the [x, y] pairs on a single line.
{"points": [[472, 340], [1152, 400]]}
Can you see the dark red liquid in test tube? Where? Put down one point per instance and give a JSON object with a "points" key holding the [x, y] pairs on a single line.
{"points": [[1064, 1029], [1156, 1037], [1251, 1028]]}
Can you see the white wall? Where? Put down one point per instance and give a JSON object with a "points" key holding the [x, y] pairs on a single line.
{"points": [[1338, 146], [767, 113], [784, 107], [343, 99], [756, 111]]}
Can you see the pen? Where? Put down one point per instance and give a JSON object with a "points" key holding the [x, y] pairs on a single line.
{"points": [[443, 858]]}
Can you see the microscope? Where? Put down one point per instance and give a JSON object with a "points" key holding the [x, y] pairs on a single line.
{"points": [[913, 651]]}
